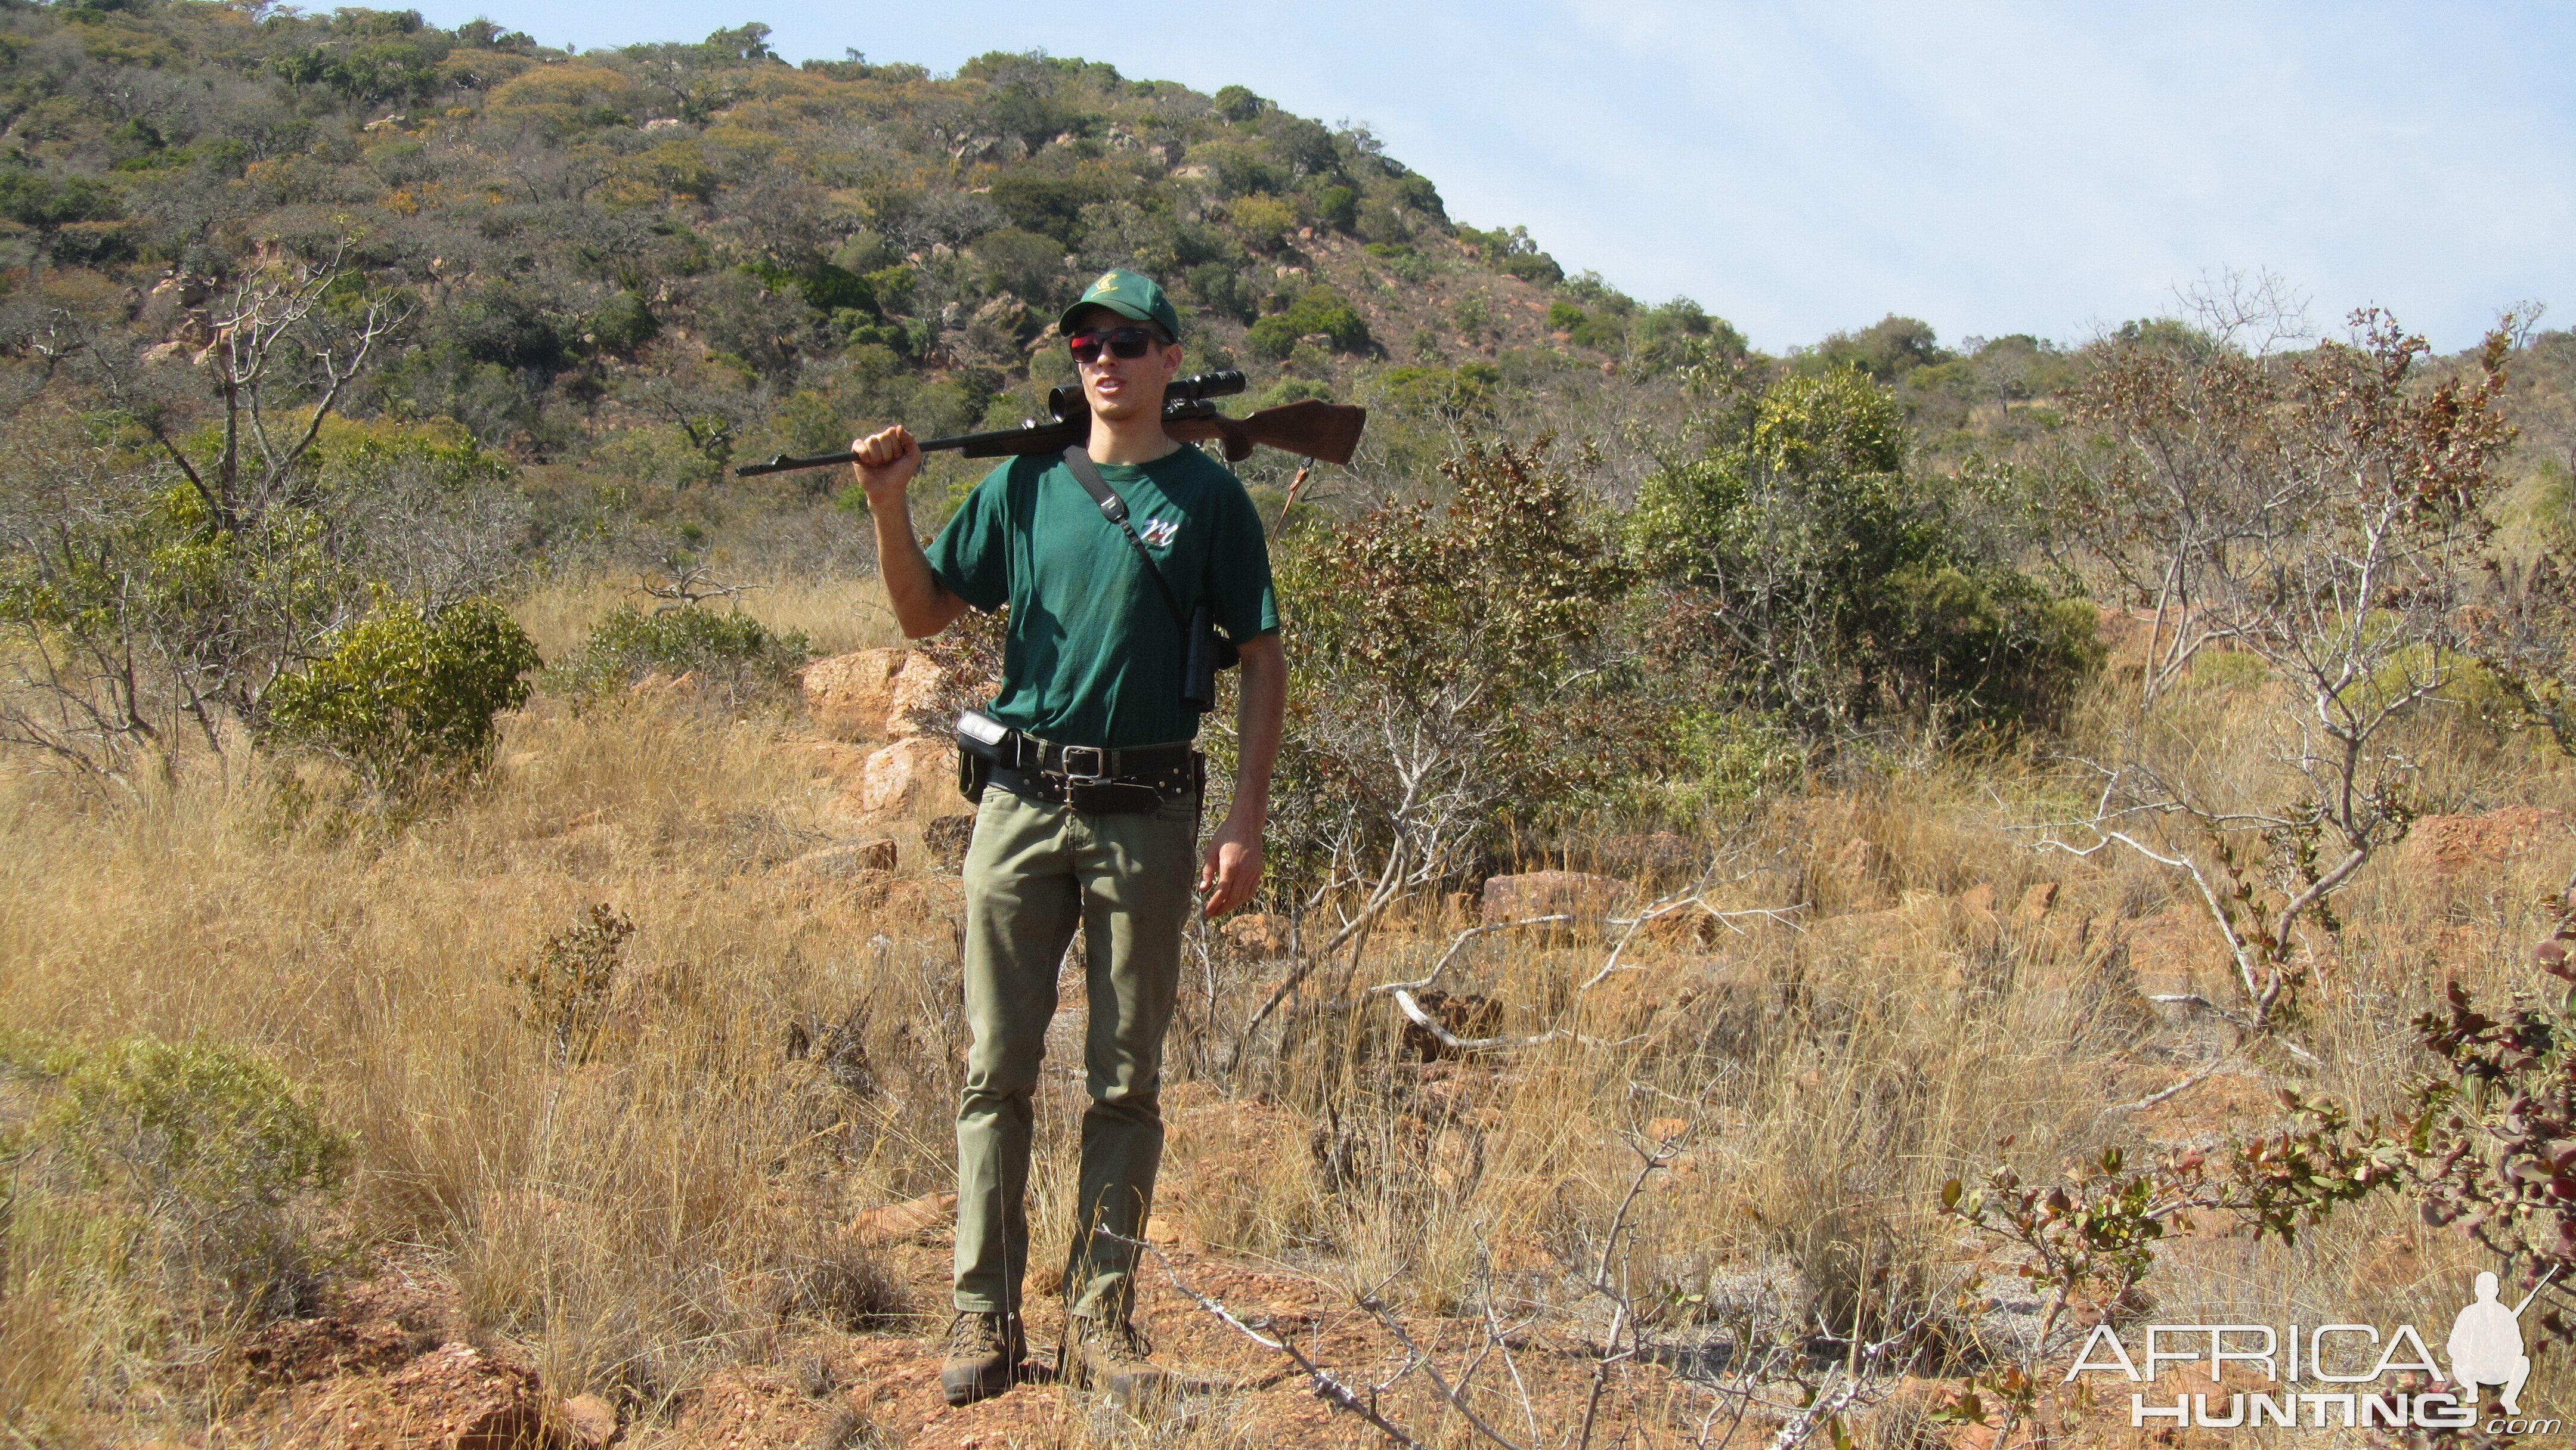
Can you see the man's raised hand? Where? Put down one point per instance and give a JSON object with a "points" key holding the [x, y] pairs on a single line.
{"points": [[887, 461]]}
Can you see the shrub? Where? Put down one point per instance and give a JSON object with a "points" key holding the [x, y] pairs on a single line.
{"points": [[735, 657], [1514, 254], [624, 323], [1449, 669], [1264, 220], [408, 692], [194, 1156], [566, 980], [1235, 103], [1221, 289], [1316, 310], [1813, 578], [1401, 259], [1338, 207], [1439, 391]]}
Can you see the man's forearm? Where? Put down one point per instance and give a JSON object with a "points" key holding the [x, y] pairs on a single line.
{"points": [[922, 605], [1258, 721]]}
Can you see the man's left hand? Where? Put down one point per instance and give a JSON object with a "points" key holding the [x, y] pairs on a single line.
{"points": [[1232, 871]]}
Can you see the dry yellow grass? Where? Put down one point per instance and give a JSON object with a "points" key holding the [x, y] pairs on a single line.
{"points": [[835, 615], [663, 1203]]}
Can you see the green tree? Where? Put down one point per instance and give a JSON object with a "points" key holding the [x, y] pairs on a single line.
{"points": [[1318, 309], [409, 693], [1812, 577]]}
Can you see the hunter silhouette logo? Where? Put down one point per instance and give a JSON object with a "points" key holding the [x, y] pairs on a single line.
{"points": [[2350, 1366], [2486, 1343]]}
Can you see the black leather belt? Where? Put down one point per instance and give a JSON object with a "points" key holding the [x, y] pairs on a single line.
{"points": [[1095, 778]]}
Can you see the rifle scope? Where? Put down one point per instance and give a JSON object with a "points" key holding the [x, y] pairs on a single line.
{"points": [[1065, 399]]}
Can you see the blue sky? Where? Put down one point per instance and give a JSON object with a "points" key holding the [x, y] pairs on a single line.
{"points": [[1990, 168]]}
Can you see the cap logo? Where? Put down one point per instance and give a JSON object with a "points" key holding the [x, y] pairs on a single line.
{"points": [[1108, 283]]}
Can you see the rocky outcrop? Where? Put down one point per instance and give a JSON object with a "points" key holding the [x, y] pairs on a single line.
{"points": [[918, 1221], [459, 1398], [874, 694], [842, 862], [2449, 845], [907, 776]]}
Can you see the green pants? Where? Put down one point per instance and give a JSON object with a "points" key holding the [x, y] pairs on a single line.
{"points": [[1033, 873]]}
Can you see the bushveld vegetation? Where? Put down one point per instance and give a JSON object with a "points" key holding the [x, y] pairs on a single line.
{"points": [[2064, 832]]}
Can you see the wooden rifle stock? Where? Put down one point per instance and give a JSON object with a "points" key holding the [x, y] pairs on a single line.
{"points": [[1308, 429]]}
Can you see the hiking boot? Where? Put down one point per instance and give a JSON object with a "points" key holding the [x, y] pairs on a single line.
{"points": [[1115, 1359], [984, 1353]]}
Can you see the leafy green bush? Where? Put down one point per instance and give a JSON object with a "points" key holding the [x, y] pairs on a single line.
{"points": [[1514, 254], [409, 692], [624, 323], [1235, 103], [1338, 207], [1404, 261], [1813, 578], [735, 657], [1264, 220], [1450, 669], [182, 1163], [1316, 310], [1221, 288], [1437, 391]]}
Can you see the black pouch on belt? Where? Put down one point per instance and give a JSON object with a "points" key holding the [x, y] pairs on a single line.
{"points": [[979, 749]]}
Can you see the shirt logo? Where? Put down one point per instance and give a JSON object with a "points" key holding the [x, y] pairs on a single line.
{"points": [[1159, 533]]}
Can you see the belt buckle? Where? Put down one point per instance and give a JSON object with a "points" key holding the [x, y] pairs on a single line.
{"points": [[1099, 764]]}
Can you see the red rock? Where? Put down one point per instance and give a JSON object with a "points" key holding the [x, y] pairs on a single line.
{"points": [[1257, 932], [2036, 903], [908, 775], [842, 862], [2445, 845], [464, 1400], [874, 694], [592, 1420], [920, 1218]]}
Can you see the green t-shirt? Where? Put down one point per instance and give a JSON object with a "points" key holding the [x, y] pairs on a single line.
{"points": [[1094, 656]]}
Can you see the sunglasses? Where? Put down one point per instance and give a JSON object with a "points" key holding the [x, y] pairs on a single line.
{"points": [[1121, 342]]}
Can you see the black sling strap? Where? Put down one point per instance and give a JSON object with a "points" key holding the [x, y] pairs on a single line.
{"points": [[1114, 509]]}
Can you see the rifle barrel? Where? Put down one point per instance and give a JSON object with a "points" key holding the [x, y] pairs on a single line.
{"points": [[999, 441]]}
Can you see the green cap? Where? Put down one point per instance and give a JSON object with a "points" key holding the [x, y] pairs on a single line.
{"points": [[1130, 296]]}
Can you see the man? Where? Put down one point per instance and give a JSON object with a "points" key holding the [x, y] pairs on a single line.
{"points": [[1091, 684]]}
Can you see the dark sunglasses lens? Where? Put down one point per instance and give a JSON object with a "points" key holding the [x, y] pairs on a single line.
{"points": [[1121, 341]]}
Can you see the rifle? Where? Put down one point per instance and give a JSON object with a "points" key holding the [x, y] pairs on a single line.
{"points": [[1309, 429]]}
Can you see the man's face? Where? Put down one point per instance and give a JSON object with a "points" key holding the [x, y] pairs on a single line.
{"points": [[1119, 388]]}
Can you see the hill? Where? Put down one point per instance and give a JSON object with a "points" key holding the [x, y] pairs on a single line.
{"points": [[647, 262]]}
